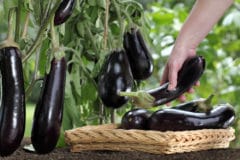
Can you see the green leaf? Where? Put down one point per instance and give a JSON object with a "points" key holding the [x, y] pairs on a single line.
{"points": [[237, 62], [92, 2], [80, 29], [71, 116], [89, 92], [28, 5], [44, 57], [10, 4], [101, 4]]}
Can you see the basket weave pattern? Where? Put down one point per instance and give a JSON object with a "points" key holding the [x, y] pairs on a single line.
{"points": [[109, 137]]}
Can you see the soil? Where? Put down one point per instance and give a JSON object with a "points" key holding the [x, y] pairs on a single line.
{"points": [[65, 154]]}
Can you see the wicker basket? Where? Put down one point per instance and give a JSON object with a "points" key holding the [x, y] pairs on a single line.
{"points": [[109, 137]]}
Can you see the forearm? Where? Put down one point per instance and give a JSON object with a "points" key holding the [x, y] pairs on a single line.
{"points": [[203, 17]]}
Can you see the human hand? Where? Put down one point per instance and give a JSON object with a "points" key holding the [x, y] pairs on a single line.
{"points": [[176, 59]]}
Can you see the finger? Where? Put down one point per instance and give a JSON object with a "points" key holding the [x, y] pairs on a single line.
{"points": [[197, 83], [172, 76], [182, 98], [191, 90], [165, 76], [168, 104]]}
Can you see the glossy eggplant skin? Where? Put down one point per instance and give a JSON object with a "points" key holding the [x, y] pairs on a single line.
{"points": [[115, 76], [197, 105], [12, 111], [189, 106], [49, 109], [135, 119], [64, 11], [140, 59], [221, 116], [188, 75]]}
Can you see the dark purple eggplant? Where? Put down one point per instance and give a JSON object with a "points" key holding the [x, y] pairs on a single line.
{"points": [[12, 111], [222, 116], [189, 74], [49, 109], [64, 11], [198, 105], [115, 77], [135, 119], [140, 59]]}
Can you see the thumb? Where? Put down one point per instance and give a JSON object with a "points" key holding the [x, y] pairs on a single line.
{"points": [[172, 77]]}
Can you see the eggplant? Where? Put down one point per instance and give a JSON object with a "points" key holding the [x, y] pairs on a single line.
{"points": [[49, 109], [140, 59], [135, 119], [189, 74], [221, 116], [115, 76], [197, 105], [12, 111], [63, 12]]}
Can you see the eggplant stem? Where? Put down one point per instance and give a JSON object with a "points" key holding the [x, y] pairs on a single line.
{"points": [[105, 35], [205, 104], [140, 98], [209, 99], [40, 33], [113, 115], [18, 20], [9, 41]]}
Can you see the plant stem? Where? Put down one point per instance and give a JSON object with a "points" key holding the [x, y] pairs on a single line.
{"points": [[9, 41], [72, 50], [18, 20], [101, 113], [140, 98], [11, 16], [89, 33], [120, 22], [112, 115], [105, 37], [34, 77], [55, 41], [128, 17], [25, 28], [40, 32]]}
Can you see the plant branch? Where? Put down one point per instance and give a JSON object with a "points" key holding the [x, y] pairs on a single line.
{"points": [[120, 21], [89, 33], [25, 28], [55, 41], [40, 32], [9, 41], [113, 115], [105, 37], [34, 77], [11, 16], [18, 20]]}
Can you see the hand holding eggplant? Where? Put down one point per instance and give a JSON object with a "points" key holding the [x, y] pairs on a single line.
{"points": [[188, 75]]}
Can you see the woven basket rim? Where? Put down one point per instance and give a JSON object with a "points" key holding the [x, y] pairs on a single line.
{"points": [[108, 135]]}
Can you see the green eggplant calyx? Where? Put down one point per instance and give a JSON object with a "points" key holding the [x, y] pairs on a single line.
{"points": [[204, 105], [140, 98], [58, 53], [8, 43]]}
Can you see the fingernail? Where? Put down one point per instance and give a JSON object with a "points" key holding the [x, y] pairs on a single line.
{"points": [[170, 87]]}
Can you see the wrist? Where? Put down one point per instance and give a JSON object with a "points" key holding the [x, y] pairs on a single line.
{"points": [[184, 50]]}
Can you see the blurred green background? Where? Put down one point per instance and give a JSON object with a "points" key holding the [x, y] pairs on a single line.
{"points": [[159, 21]]}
